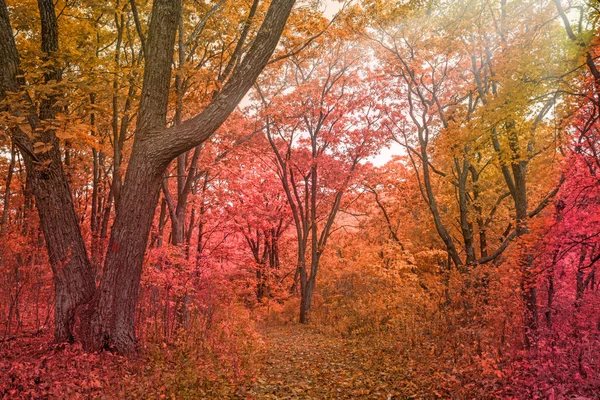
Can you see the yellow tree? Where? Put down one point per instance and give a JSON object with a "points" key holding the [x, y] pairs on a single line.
{"points": [[475, 87]]}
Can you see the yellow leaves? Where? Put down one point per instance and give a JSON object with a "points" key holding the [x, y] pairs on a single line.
{"points": [[64, 135], [41, 147], [388, 12]]}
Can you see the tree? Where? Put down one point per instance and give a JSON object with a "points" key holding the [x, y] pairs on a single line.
{"points": [[258, 208], [110, 322], [463, 97], [74, 283], [320, 132]]}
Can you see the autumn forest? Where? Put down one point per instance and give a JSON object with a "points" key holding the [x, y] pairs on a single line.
{"points": [[280, 199]]}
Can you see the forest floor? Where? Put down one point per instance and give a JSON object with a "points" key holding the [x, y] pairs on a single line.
{"points": [[298, 362], [302, 363]]}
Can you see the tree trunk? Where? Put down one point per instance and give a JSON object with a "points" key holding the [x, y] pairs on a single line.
{"points": [[73, 279], [113, 324], [9, 175], [465, 225], [305, 294], [157, 238], [528, 284]]}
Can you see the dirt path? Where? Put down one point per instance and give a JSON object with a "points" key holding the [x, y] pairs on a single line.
{"points": [[301, 363]]}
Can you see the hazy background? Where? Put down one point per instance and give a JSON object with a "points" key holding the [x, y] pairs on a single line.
{"points": [[330, 7]]}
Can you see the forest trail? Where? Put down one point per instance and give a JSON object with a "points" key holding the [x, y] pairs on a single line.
{"points": [[302, 363]]}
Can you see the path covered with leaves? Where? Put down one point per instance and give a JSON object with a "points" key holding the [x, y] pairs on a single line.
{"points": [[301, 363], [298, 362]]}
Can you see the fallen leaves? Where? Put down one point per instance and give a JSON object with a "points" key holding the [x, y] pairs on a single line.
{"points": [[301, 363], [31, 368]]}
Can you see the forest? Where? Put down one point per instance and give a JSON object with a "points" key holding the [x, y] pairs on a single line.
{"points": [[300, 199]]}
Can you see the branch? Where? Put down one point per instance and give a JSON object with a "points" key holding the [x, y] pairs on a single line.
{"points": [[500, 250], [238, 143], [311, 39], [387, 217], [138, 25], [547, 199], [165, 144], [237, 52]]}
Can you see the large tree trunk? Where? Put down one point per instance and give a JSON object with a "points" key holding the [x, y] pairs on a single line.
{"points": [[73, 279], [112, 324]]}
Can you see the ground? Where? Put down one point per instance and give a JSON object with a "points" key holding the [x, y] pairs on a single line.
{"points": [[298, 362], [302, 363]]}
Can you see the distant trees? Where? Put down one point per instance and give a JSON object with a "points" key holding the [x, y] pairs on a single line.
{"points": [[474, 121], [323, 122]]}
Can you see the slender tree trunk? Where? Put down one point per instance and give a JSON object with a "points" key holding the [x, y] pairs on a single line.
{"points": [[465, 225], [528, 284], [9, 176], [162, 222], [95, 194], [304, 293], [481, 228], [106, 214], [178, 217], [307, 289], [432, 203], [189, 233], [27, 205], [73, 279]]}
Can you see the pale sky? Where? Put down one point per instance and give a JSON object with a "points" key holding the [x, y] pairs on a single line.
{"points": [[386, 154], [331, 7]]}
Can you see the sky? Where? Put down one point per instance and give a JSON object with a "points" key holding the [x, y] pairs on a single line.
{"points": [[331, 7]]}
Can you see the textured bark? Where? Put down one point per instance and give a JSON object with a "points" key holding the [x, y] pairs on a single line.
{"points": [[73, 279], [113, 325]]}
